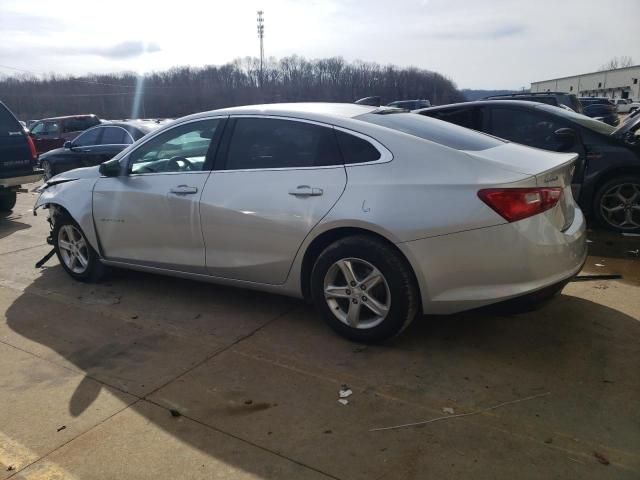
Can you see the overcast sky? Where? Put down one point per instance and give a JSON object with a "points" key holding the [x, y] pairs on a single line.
{"points": [[477, 43]]}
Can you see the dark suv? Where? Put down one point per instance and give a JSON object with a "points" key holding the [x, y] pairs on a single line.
{"points": [[17, 158], [606, 182], [600, 108], [556, 99], [51, 133]]}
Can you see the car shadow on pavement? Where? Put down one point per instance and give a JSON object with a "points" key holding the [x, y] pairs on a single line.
{"points": [[10, 224], [564, 344]]}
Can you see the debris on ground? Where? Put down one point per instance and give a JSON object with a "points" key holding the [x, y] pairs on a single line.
{"points": [[585, 278], [589, 241], [175, 413], [599, 265], [345, 391], [59, 429], [10, 468], [634, 253], [359, 349], [248, 402], [448, 410], [475, 412], [548, 440], [601, 458], [343, 401], [134, 317], [327, 431]]}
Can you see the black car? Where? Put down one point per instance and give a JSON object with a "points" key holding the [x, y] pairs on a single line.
{"points": [[17, 158], [606, 182], [94, 146], [600, 108], [557, 99]]}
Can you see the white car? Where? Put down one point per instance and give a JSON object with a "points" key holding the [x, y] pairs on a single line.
{"points": [[625, 105], [374, 213]]}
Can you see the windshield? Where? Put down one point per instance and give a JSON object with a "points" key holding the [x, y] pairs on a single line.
{"points": [[583, 120], [436, 131]]}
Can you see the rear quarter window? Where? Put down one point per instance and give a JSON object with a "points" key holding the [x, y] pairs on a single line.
{"points": [[355, 149], [436, 131]]}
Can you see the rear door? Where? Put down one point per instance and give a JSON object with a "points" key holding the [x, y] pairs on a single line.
{"points": [[275, 180], [15, 156], [112, 141]]}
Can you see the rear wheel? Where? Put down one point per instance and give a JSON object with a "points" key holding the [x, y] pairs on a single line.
{"points": [[617, 204], [75, 253], [7, 201], [364, 289]]}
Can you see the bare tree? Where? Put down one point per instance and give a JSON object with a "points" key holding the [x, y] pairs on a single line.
{"points": [[617, 62], [183, 90]]}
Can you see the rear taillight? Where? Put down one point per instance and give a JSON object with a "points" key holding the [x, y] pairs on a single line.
{"points": [[514, 204], [32, 147]]}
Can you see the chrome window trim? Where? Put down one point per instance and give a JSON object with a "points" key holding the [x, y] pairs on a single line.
{"points": [[126, 158], [385, 155]]}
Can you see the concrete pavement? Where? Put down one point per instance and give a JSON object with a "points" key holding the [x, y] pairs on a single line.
{"points": [[92, 373]]}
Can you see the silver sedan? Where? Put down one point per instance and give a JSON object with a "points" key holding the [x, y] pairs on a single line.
{"points": [[375, 214]]}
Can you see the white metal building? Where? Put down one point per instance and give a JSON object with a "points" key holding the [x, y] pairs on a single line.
{"points": [[618, 83]]}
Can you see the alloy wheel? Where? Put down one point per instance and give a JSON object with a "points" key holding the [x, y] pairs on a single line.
{"points": [[620, 206], [73, 249], [357, 293]]}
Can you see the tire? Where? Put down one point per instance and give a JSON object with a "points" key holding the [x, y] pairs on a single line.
{"points": [[7, 201], [48, 170], [610, 195], [394, 296], [76, 255]]}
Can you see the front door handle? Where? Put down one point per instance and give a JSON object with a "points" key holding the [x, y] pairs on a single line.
{"points": [[306, 191], [184, 190]]}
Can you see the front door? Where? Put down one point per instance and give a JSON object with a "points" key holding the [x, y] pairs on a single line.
{"points": [[150, 216], [277, 179]]}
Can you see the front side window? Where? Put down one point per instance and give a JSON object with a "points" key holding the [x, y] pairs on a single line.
{"points": [[526, 127], [88, 138], [38, 128], [50, 128], [275, 143], [115, 136], [180, 149]]}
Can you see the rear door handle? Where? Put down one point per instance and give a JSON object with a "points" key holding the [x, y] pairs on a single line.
{"points": [[184, 190], [306, 191]]}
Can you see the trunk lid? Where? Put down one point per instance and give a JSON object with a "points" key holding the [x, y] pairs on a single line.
{"points": [[550, 169]]}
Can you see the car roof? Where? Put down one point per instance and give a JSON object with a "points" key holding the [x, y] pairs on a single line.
{"points": [[318, 111], [522, 103], [88, 115], [145, 126]]}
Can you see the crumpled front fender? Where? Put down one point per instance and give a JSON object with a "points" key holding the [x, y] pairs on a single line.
{"points": [[75, 196]]}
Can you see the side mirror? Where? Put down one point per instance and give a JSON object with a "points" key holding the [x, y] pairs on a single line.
{"points": [[567, 136], [68, 145], [109, 169]]}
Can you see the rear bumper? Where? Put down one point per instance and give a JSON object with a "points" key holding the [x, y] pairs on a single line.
{"points": [[21, 180], [480, 267]]}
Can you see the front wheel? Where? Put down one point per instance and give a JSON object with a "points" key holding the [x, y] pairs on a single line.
{"points": [[75, 253], [617, 204], [364, 289]]}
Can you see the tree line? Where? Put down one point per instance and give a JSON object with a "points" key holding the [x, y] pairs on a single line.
{"points": [[184, 90]]}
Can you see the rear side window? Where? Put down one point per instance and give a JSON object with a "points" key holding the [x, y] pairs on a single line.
{"points": [[459, 116], [276, 143], [79, 124], [355, 149], [446, 134], [8, 122], [115, 136]]}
